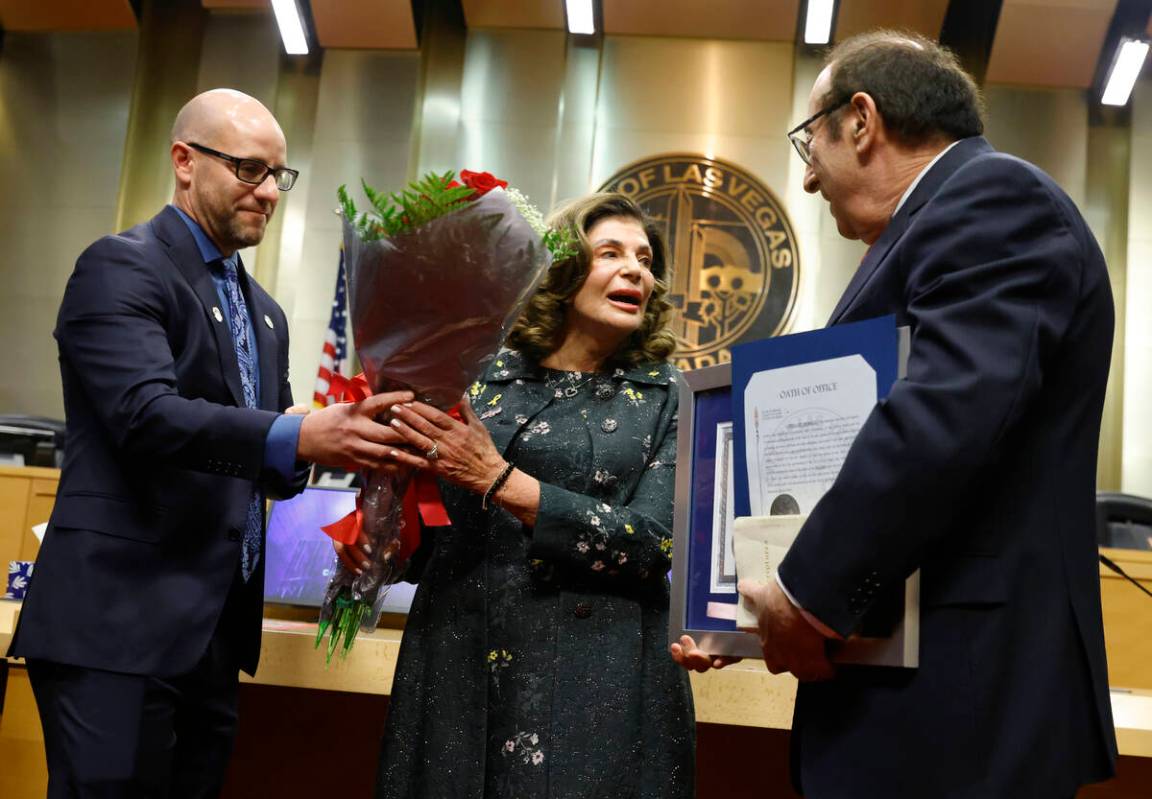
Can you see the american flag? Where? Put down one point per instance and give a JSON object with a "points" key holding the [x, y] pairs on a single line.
{"points": [[334, 359]]}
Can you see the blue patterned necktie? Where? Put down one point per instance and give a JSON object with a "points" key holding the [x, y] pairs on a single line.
{"points": [[238, 322]]}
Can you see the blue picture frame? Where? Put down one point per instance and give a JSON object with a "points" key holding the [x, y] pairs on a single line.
{"points": [[696, 610]]}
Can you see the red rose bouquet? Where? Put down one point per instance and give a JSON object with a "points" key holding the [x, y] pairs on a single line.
{"points": [[436, 275]]}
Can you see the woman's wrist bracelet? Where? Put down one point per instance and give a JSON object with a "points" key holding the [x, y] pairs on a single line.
{"points": [[497, 484]]}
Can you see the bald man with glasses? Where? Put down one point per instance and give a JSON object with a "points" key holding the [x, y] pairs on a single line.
{"points": [[148, 591]]}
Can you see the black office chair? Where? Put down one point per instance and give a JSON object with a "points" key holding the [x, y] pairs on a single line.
{"points": [[37, 439], [1123, 521]]}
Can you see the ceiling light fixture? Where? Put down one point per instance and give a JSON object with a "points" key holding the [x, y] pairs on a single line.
{"points": [[580, 17], [291, 27], [1125, 70], [818, 22]]}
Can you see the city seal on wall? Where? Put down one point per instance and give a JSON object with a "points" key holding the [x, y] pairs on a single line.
{"points": [[736, 266]]}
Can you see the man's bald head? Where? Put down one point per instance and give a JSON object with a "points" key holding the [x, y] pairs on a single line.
{"points": [[214, 133], [220, 113]]}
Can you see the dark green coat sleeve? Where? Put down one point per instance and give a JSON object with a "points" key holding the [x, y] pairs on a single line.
{"points": [[629, 540]]}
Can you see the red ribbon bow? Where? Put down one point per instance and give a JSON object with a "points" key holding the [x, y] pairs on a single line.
{"points": [[421, 501]]}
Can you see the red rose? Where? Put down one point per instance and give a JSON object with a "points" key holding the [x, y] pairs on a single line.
{"points": [[481, 182], [452, 184]]}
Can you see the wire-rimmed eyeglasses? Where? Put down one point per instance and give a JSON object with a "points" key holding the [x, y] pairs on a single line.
{"points": [[801, 137], [252, 170]]}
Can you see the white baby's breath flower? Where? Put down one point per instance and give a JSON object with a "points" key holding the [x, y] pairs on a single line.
{"points": [[527, 210]]}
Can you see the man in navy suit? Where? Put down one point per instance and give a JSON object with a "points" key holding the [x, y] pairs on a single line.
{"points": [[149, 586], [979, 469]]}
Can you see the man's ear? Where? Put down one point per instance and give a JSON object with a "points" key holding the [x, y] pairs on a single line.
{"points": [[864, 122], [182, 162]]}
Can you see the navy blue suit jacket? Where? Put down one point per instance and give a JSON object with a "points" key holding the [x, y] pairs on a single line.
{"points": [[144, 540], [979, 470]]}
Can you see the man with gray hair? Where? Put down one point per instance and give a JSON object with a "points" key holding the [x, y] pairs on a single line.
{"points": [[979, 469], [148, 590]]}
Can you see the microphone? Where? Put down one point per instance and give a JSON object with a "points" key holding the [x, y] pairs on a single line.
{"points": [[1107, 561]]}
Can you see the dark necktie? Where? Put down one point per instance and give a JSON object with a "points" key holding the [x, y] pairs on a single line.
{"points": [[241, 341]]}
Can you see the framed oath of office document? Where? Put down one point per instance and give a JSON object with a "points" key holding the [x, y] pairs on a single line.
{"points": [[704, 594], [780, 433]]}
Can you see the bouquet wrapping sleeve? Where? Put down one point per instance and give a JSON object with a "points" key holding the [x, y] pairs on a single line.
{"points": [[429, 309]]}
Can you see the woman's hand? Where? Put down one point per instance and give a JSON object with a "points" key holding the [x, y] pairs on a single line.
{"points": [[693, 658], [460, 452]]}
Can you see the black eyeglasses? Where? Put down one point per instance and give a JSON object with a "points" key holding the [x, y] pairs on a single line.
{"points": [[801, 137], [251, 170]]}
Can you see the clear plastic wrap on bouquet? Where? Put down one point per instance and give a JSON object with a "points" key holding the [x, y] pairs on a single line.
{"points": [[429, 310]]}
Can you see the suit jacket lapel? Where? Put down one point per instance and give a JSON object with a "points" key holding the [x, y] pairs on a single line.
{"points": [[182, 249], [925, 190], [867, 268]]}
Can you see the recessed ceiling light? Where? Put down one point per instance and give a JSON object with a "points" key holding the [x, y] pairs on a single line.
{"points": [[818, 23], [291, 27], [580, 17], [1125, 70]]}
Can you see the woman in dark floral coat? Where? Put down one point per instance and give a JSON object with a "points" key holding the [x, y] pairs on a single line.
{"points": [[535, 658]]}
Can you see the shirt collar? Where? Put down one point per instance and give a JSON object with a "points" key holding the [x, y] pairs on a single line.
{"points": [[208, 251], [922, 173]]}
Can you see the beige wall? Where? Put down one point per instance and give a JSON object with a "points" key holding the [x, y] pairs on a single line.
{"points": [[1053, 129], [1137, 469], [362, 127], [553, 117], [64, 101]]}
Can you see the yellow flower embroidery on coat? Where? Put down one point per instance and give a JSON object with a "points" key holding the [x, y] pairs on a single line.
{"points": [[666, 546], [477, 389], [628, 529]]}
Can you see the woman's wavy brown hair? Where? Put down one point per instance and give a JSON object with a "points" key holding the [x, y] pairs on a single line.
{"points": [[540, 329]]}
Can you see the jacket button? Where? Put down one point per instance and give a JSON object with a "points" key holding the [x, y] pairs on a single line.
{"points": [[234, 534], [582, 610]]}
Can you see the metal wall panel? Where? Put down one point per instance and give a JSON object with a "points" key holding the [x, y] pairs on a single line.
{"points": [[1106, 196], [1048, 127], [721, 98], [243, 52], [510, 105], [64, 104], [1136, 337], [363, 129]]}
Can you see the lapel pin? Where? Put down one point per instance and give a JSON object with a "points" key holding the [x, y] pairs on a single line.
{"points": [[216, 313], [268, 321]]}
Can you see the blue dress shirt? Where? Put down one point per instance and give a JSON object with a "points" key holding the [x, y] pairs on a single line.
{"points": [[284, 435]]}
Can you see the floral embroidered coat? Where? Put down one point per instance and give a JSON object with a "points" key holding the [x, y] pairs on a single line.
{"points": [[535, 660]]}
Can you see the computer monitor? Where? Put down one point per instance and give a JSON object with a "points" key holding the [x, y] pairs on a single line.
{"points": [[300, 560]]}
